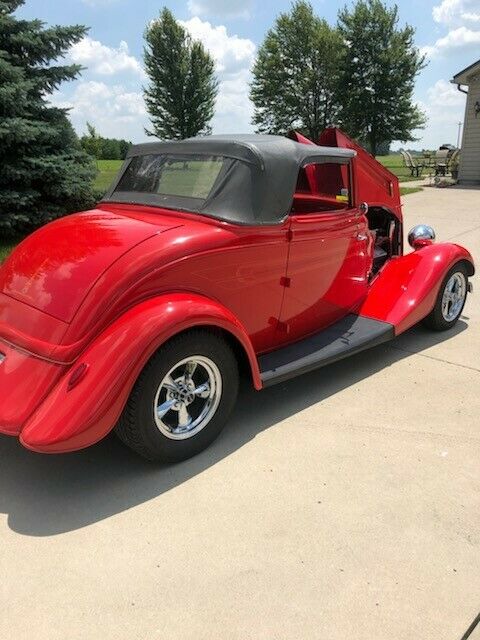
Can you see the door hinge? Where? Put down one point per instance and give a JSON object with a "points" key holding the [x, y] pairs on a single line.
{"points": [[285, 282], [279, 326]]}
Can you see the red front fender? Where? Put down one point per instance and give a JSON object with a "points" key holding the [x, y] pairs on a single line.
{"points": [[72, 419], [406, 289]]}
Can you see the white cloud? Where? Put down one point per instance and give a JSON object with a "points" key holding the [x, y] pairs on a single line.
{"points": [[458, 39], [220, 8], [104, 60], [462, 18], [444, 108], [445, 95], [455, 12], [233, 57], [230, 52], [115, 105], [113, 110]]}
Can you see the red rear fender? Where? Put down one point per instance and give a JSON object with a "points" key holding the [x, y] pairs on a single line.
{"points": [[73, 418], [406, 289]]}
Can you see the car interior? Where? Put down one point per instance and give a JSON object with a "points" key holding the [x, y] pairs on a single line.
{"points": [[321, 187]]}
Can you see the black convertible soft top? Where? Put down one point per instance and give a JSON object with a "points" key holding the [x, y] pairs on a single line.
{"points": [[255, 186]]}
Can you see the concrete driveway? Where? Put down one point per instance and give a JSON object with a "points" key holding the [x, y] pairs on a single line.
{"points": [[344, 504]]}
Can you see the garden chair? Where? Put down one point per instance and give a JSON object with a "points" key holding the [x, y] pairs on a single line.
{"points": [[415, 168], [452, 160], [441, 162]]}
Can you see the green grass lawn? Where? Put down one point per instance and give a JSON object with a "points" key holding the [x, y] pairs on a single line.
{"points": [[405, 191], [394, 163], [107, 170]]}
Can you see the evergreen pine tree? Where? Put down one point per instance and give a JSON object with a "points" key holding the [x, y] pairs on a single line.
{"points": [[45, 173]]}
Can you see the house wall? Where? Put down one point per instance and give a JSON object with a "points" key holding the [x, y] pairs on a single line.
{"points": [[469, 171]]}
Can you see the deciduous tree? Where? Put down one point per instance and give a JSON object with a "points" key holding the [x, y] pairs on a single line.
{"points": [[378, 71], [295, 77], [181, 95], [103, 148]]}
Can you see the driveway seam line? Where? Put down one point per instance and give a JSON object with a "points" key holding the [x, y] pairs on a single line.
{"points": [[424, 355], [458, 235]]}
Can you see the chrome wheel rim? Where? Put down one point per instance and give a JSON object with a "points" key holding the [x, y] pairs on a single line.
{"points": [[454, 296], [188, 397]]}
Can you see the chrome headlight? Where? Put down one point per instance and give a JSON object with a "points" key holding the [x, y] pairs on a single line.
{"points": [[421, 236]]}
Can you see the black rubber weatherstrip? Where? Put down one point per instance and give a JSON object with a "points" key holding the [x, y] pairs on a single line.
{"points": [[346, 337]]}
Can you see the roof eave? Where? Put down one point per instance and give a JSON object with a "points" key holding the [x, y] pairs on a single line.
{"points": [[462, 77]]}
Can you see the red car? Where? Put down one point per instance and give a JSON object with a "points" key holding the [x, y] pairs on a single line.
{"points": [[208, 257]]}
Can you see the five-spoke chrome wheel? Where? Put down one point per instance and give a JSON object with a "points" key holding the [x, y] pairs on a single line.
{"points": [[188, 397], [450, 300], [183, 397], [454, 295]]}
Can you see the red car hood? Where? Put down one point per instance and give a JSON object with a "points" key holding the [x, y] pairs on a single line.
{"points": [[53, 269]]}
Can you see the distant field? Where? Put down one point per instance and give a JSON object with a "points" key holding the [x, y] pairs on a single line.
{"points": [[107, 170], [394, 162]]}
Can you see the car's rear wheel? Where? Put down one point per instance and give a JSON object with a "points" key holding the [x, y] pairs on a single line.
{"points": [[182, 399], [450, 300]]}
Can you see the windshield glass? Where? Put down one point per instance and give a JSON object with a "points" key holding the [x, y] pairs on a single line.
{"points": [[190, 176]]}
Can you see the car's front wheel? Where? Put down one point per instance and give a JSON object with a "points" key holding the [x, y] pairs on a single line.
{"points": [[182, 399], [450, 300]]}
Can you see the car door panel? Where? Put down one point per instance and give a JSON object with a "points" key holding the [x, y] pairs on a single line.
{"points": [[328, 266]]}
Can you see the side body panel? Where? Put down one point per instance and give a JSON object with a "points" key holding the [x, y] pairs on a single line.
{"points": [[234, 265]]}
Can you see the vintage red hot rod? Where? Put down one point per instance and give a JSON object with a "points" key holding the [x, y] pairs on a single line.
{"points": [[210, 256]]}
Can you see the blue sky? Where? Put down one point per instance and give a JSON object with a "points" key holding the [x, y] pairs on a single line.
{"points": [[109, 92]]}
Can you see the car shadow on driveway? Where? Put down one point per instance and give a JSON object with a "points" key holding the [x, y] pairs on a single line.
{"points": [[46, 495]]}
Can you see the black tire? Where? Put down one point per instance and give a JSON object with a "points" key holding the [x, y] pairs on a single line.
{"points": [[436, 320], [137, 427]]}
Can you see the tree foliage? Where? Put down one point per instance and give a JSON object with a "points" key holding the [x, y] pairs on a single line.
{"points": [[295, 76], [104, 148], [378, 74], [45, 173], [183, 88]]}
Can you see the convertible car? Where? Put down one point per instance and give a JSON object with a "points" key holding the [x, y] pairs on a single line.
{"points": [[208, 258]]}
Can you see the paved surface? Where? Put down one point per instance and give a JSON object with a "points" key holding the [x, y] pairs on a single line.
{"points": [[344, 504]]}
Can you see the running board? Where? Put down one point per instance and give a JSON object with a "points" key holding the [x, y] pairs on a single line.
{"points": [[346, 337]]}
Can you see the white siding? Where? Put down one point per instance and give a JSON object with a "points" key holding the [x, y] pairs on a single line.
{"points": [[470, 156]]}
